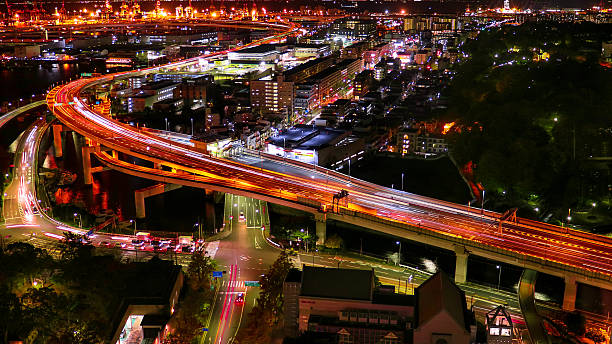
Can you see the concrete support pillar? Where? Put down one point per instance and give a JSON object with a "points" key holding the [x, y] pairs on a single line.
{"points": [[57, 140], [321, 228], [85, 150], [141, 194], [569, 296], [209, 211], [139, 200], [461, 264]]}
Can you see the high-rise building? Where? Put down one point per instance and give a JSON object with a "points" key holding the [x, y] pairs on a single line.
{"points": [[272, 96]]}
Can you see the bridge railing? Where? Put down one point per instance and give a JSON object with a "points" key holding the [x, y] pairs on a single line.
{"points": [[521, 221], [520, 259]]}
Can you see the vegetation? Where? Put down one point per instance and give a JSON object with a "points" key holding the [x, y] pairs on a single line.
{"points": [[532, 107], [63, 300], [268, 311], [40, 300], [195, 307]]}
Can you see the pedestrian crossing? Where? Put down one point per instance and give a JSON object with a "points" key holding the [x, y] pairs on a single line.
{"points": [[233, 284], [212, 248]]}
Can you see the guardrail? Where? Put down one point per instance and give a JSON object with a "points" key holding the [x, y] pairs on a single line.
{"points": [[516, 257], [546, 227]]}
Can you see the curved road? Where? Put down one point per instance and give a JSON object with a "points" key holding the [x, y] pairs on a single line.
{"points": [[580, 250]]}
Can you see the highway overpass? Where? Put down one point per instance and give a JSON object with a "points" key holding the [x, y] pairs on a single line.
{"points": [[575, 256]]}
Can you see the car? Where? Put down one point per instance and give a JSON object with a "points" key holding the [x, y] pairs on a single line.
{"points": [[137, 243], [241, 218], [120, 245], [155, 243], [104, 244], [240, 299], [187, 249]]}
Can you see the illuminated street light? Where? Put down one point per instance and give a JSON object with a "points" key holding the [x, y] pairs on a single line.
{"points": [[80, 219], [399, 252], [498, 276]]}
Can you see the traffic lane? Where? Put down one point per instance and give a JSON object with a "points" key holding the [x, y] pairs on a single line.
{"points": [[555, 236]]}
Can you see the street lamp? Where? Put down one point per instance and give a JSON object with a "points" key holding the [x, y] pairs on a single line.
{"points": [[305, 238], [399, 252], [197, 224], [134, 222], [498, 276], [482, 203], [402, 182], [80, 219], [166, 119], [192, 127]]}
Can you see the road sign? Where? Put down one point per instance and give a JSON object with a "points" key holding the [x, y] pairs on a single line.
{"points": [[204, 329], [217, 273], [251, 283]]}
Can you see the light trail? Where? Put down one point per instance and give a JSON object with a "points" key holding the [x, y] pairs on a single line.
{"points": [[572, 248]]}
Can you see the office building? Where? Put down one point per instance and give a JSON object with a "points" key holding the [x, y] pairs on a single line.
{"points": [[272, 96]]}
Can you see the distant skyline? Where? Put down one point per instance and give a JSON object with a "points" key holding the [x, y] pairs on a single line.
{"points": [[486, 3]]}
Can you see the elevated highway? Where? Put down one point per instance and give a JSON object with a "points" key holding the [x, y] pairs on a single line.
{"points": [[573, 255]]}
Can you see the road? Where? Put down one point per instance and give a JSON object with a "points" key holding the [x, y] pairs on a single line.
{"points": [[244, 255], [26, 218], [582, 251], [247, 249]]}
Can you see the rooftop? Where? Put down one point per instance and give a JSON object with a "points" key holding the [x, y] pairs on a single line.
{"points": [[439, 293], [263, 48], [337, 283], [157, 85], [306, 137]]}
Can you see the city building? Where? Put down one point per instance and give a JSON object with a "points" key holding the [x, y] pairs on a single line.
{"points": [[375, 54], [264, 53], [362, 83], [307, 69], [499, 326], [194, 89], [356, 50], [306, 99], [316, 145], [146, 311], [416, 141], [335, 80], [347, 306], [311, 50], [273, 95], [334, 113], [27, 51], [441, 315], [352, 28], [149, 94]]}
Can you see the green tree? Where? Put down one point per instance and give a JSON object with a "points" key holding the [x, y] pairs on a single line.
{"points": [[10, 313], [200, 271], [72, 247], [334, 242], [267, 313]]}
